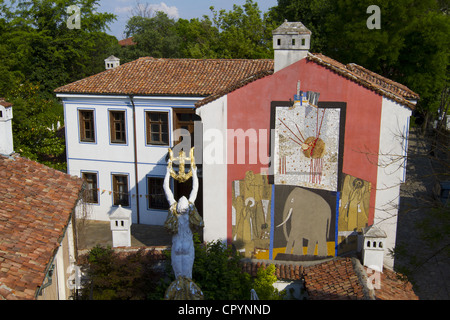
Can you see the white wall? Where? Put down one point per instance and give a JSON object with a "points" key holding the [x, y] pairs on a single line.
{"points": [[214, 118], [104, 158], [391, 170]]}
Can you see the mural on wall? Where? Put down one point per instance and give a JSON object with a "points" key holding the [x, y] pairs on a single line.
{"points": [[304, 223], [353, 211], [307, 146], [251, 210]]}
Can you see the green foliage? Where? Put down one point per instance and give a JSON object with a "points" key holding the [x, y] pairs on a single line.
{"points": [[35, 124], [38, 53], [218, 272], [115, 277], [155, 37], [244, 33], [263, 284], [240, 33]]}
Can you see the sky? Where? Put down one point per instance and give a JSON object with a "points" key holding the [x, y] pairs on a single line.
{"points": [[185, 9]]}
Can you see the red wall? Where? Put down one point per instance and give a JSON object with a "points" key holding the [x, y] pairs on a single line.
{"points": [[249, 108]]}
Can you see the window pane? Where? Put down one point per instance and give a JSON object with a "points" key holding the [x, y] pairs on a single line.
{"points": [[120, 185], [165, 138], [154, 116], [117, 126], [91, 182], [86, 125], [157, 127], [156, 196]]}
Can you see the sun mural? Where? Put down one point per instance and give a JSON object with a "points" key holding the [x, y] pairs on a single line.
{"points": [[307, 146]]}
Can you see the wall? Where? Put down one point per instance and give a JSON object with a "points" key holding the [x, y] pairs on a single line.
{"points": [[105, 158], [214, 118], [249, 108], [59, 290], [391, 170]]}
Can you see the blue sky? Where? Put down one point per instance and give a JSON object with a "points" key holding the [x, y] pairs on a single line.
{"points": [[185, 9]]}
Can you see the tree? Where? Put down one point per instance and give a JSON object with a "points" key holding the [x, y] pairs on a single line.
{"points": [[115, 277], [46, 51], [40, 53], [244, 32], [199, 37], [240, 33], [35, 125], [155, 36]]}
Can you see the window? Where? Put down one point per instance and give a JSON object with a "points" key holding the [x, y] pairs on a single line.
{"points": [[120, 190], [91, 191], [156, 196], [117, 127], [278, 41], [184, 119], [293, 42], [303, 41], [87, 130], [157, 128]]}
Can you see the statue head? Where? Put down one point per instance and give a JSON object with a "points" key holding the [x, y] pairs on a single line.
{"points": [[183, 205]]}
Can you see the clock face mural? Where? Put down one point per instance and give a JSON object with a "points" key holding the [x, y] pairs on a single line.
{"points": [[307, 140]]}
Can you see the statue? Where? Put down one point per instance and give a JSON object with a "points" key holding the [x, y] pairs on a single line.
{"points": [[182, 219]]}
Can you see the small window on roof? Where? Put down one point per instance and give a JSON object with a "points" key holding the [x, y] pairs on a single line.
{"points": [[279, 41]]}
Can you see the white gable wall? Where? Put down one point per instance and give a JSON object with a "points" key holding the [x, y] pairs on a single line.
{"points": [[214, 118], [391, 170]]}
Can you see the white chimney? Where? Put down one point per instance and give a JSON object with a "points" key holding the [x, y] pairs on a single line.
{"points": [[120, 223], [6, 136], [111, 62], [373, 248], [291, 43]]}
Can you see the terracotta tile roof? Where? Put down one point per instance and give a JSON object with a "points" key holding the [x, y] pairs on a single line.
{"points": [[352, 71], [127, 42], [394, 286], [4, 103], [368, 79], [337, 279], [36, 203], [333, 280], [173, 77], [213, 78]]}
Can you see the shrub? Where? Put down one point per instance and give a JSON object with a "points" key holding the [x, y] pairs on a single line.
{"points": [[112, 276]]}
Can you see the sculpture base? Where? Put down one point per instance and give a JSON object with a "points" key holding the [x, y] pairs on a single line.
{"points": [[183, 289]]}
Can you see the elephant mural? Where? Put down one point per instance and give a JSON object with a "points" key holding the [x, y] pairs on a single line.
{"points": [[309, 216]]}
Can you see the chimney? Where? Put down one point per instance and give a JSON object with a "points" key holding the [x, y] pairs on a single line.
{"points": [[373, 247], [6, 136], [111, 62], [291, 42]]}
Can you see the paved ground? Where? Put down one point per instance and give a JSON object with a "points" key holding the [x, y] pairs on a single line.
{"points": [[99, 232], [428, 267]]}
